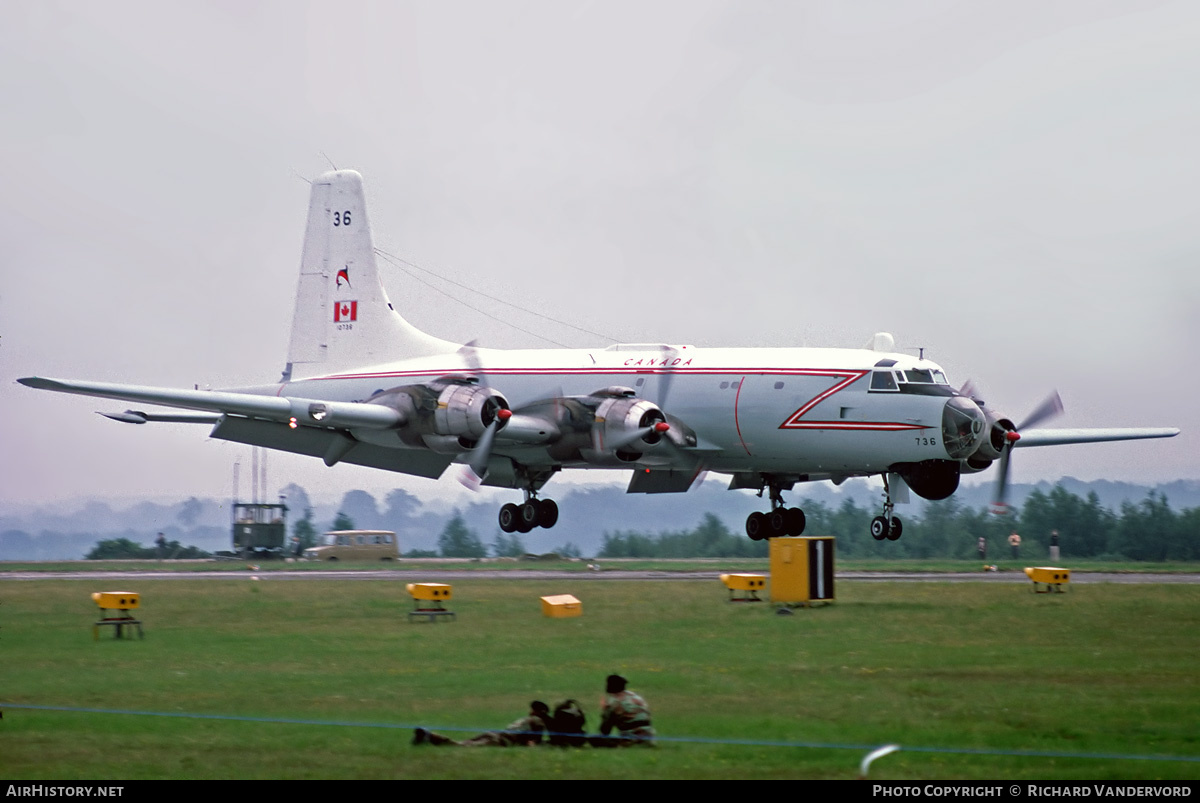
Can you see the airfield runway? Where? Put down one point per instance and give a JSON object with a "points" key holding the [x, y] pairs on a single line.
{"points": [[616, 574]]}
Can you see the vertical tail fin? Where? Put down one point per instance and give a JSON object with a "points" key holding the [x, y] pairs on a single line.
{"points": [[343, 318]]}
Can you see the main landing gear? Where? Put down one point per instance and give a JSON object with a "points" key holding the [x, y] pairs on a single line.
{"points": [[780, 521], [534, 513], [886, 526]]}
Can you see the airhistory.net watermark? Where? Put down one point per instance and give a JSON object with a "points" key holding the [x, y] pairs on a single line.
{"points": [[50, 790]]}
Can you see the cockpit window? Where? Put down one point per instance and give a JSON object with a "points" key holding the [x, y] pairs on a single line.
{"points": [[923, 376], [883, 380], [919, 376]]}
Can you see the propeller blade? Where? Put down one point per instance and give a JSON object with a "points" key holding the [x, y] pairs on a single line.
{"points": [[665, 379], [470, 355], [1051, 407], [661, 427], [628, 438], [482, 453], [1000, 505], [553, 394]]}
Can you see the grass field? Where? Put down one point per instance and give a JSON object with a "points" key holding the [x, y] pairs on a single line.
{"points": [[419, 565], [1007, 683]]}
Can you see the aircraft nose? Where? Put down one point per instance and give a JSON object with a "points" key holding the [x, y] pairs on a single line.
{"points": [[963, 427]]}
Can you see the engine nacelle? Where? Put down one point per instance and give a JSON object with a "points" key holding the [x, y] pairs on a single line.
{"points": [[618, 419], [465, 411], [996, 437], [964, 427], [443, 411]]}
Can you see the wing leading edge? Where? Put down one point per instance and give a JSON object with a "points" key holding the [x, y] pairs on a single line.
{"points": [[1063, 437], [284, 409]]}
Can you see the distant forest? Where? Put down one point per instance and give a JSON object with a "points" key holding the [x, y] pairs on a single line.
{"points": [[1147, 531], [606, 522]]}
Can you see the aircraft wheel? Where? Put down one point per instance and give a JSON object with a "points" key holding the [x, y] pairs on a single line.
{"points": [[879, 528], [756, 526], [895, 530], [527, 516], [776, 523], [547, 513], [794, 521], [508, 518]]}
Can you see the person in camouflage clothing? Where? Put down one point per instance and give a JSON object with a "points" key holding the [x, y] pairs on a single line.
{"points": [[625, 711], [524, 732], [567, 726]]}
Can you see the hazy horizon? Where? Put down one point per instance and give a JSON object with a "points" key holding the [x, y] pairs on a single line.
{"points": [[1009, 187]]}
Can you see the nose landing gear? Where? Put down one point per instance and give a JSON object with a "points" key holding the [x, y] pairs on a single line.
{"points": [[888, 525]]}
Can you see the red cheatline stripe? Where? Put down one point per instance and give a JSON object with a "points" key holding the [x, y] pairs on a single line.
{"points": [[887, 426], [621, 369]]}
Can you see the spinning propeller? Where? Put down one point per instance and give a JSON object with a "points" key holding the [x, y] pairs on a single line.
{"points": [[657, 424], [1049, 408], [477, 462], [617, 444], [481, 454]]}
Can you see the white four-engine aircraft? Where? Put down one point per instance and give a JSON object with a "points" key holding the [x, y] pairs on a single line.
{"points": [[363, 386]]}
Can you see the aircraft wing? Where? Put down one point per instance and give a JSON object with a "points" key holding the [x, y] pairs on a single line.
{"points": [[312, 412], [320, 428], [1060, 437]]}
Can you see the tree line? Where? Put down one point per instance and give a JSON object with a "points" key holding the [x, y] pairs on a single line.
{"points": [[1149, 530], [457, 540], [126, 549], [1146, 531]]}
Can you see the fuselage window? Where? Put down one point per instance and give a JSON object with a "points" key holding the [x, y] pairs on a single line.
{"points": [[779, 386], [724, 385]]}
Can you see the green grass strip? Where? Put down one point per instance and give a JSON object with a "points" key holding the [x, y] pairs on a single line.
{"points": [[675, 739]]}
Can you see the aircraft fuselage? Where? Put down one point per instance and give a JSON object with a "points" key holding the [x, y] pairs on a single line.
{"points": [[803, 411]]}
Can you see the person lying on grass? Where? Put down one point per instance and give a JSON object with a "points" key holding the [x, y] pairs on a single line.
{"points": [[524, 732]]}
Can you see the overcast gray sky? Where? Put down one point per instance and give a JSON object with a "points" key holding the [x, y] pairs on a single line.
{"points": [[1010, 185]]}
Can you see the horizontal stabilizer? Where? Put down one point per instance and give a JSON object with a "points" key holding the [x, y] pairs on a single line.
{"points": [[309, 412], [1061, 437]]}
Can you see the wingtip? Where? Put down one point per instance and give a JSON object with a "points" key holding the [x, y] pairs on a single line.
{"points": [[127, 417]]}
